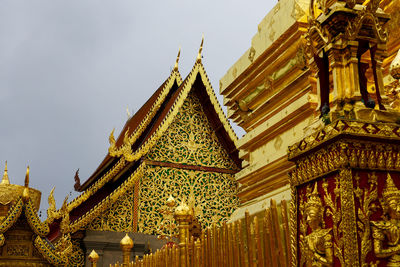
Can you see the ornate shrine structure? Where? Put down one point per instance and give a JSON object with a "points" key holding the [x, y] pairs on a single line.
{"points": [[178, 144], [345, 185]]}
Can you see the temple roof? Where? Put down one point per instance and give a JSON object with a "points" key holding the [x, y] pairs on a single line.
{"points": [[137, 123], [22, 203], [123, 163]]}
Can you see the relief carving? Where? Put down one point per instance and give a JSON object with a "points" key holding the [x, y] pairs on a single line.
{"points": [[318, 244], [386, 233]]}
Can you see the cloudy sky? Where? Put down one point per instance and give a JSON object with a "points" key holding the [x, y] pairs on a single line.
{"points": [[69, 69]]}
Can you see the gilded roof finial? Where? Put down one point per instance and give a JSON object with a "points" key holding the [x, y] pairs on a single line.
{"points": [[25, 193], [177, 59], [128, 113], [5, 179], [200, 49], [27, 177], [111, 139]]}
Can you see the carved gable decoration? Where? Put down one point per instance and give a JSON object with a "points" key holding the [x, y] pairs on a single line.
{"points": [[191, 140]]}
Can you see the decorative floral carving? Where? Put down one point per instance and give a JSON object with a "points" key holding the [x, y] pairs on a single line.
{"points": [[215, 195], [366, 197], [386, 233]]}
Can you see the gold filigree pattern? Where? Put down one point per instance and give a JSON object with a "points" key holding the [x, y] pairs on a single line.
{"points": [[77, 257], [49, 253], [40, 228], [342, 127], [11, 219], [191, 140], [119, 217], [88, 217], [333, 211], [366, 197], [198, 69], [348, 225], [214, 195]]}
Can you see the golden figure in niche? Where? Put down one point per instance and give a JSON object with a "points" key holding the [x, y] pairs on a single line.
{"points": [[386, 233], [319, 251]]}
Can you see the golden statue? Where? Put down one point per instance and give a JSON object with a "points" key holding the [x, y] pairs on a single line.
{"points": [[318, 243], [386, 233]]}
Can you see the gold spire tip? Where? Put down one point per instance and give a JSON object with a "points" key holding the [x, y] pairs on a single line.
{"points": [[177, 59], [93, 256], [27, 177], [200, 49], [5, 179]]}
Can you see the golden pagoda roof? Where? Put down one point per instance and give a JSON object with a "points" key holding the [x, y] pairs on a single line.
{"points": [[9, 193]]}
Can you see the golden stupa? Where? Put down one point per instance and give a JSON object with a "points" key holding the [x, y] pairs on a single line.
{"points": [[10, 193]]}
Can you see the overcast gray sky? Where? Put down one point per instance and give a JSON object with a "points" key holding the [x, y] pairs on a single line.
{"points": [[69, 69]]}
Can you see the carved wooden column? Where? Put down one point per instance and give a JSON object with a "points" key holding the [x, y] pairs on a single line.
{"points": [[126, 246]]}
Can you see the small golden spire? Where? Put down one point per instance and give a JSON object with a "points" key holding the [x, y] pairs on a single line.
{"points": [[183, 209], [126, 242], [200, 49], [128, 113], [93, 257], [25, 193], [171, 201], [177, 59], [5, 179], [27, 177]]}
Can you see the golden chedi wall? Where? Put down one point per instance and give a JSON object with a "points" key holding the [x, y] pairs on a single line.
{"points": [[272, 93]]}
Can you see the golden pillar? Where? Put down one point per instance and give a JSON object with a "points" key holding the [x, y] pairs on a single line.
{"points": [[183, 216], [126, 246]]}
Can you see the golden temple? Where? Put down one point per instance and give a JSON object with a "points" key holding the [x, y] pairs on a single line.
{"points": [[313, 182]]}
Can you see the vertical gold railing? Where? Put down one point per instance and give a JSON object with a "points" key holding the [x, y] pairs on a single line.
{"points": [[258, 240]]}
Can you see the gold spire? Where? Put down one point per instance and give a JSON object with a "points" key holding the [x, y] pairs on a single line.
{"points": [[5, 179], [390, 189], [171, 201], [177, 59], [128, 113], [200, 49], [93, 257], [183, 209], [25, 193], [27, 177]]}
